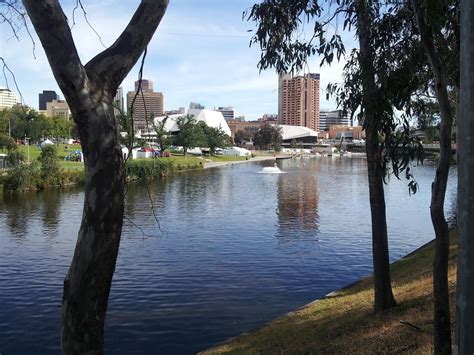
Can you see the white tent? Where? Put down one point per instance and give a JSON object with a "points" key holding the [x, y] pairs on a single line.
{"points": [[46, 142], [236, 152]]}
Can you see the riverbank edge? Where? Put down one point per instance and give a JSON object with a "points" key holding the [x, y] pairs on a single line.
{"points": [[77, 177], [257, 341]]}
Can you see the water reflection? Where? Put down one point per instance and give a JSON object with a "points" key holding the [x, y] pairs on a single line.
{"points": [[298, 199], [18, 214], [230, 242]]}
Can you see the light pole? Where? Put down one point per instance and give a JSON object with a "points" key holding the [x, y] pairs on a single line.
{"points": [[28, 144]]}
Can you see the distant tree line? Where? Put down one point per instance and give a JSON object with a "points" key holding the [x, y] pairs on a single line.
{"points": [[20, 122]]}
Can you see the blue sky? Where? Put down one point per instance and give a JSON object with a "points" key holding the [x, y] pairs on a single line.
{"points": [[199, 53]]}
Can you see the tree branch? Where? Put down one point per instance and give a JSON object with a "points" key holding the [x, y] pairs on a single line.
{"points": [[113, 64], [58, 45]]}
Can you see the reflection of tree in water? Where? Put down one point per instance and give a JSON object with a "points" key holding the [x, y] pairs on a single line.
{"points": [[19, 208], [144, 200], [298, 204], [51, 205]]}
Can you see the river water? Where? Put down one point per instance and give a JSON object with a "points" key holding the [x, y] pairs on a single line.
{"points": [[205, 255]]}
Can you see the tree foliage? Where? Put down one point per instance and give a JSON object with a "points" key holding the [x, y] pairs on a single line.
{"points": [[23, 122], [163, 137], [214, 137], [49, 165], [268, 136], [190, 134], [241, 137]]}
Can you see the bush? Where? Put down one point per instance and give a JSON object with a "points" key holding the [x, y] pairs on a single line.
{"points": [[23, 177], [15, 158], [50, 171], [152, 168]]}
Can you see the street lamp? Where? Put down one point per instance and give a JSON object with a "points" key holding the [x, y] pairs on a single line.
{"points": [[28, 144]]}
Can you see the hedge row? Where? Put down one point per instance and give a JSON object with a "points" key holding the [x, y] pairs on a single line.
{"points": [[28, 177]]}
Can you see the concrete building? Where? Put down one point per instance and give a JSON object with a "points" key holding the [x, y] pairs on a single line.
{"points": [[195, 105], [45, 97], [57, 108], [299, 101], [179, 111], [281, 79], [331, 118], [228, 112], [249, 127], [347, 132], [118, 101], [269, 117], [8, 98], [147, 104], [146, 86]]}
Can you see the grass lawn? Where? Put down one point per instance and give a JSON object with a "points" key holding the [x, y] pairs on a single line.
{"points": [[34, 152], [224, 158], [344, 323], [175, 159]]}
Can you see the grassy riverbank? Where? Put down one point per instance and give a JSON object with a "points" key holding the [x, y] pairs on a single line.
{"points": [[343, 323], [72, 173]]}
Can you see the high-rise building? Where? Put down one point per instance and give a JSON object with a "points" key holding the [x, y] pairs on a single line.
{"points": [[118, 101], [227, 112], [281, 79], [58, 108], [299, 101], [8, 98], [331, 118], [147, 104], [196, 106], [45, 97], [147, 85]]}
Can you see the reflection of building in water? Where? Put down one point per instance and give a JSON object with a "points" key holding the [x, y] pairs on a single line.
{"points": [[297, 204]]}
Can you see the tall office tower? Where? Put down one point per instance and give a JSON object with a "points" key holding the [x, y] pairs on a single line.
{"points": [[8, 98], [281, 79], [300, 101], [147, 85], [332, 118], [118, 101], [227, 112], [148, 104], [57, 108], [45, 97]]}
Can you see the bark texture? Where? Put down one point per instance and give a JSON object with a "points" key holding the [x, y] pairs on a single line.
{"points": [[442, 321], [89, 91], [382, 282], [465, 259]]}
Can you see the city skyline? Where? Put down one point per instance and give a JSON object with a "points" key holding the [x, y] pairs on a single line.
{"points": [[207, 59]]}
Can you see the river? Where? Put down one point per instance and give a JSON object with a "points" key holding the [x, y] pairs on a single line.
{"points": [[205, 255]]}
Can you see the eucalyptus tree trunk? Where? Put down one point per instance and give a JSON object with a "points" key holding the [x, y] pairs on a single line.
{"points": [[89, 91], [465, 282], [442, 321], [383, 295]]}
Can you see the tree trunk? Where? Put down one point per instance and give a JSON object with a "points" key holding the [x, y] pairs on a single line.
{"points": [[465, 282], [87, 284], [442, 321], [383, 295], [89, 91]]}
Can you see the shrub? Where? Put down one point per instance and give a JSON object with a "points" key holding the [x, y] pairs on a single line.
{"points": [[50, 171], [23, 177]]}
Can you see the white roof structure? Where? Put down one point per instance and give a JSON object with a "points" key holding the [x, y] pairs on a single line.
{"points": [[294, 132], [211, 118]]}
